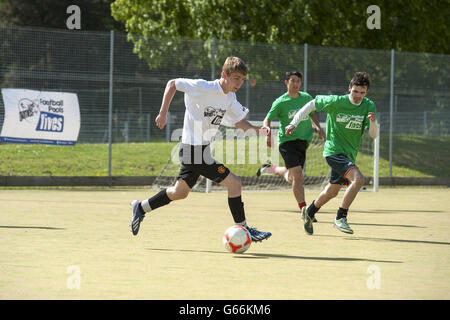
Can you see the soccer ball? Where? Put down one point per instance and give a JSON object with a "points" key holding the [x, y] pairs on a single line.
{"points": [[236, 239]]}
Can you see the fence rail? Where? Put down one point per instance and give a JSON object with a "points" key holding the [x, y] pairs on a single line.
{"points": [[411, 90]]}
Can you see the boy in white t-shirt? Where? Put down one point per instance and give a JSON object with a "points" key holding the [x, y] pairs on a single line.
{"points": [[208, 104]]}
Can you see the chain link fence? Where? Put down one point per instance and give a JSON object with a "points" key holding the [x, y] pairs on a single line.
{"points": [[416, 103]]}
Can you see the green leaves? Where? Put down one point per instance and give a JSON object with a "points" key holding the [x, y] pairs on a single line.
{"points": [[405, 25]]}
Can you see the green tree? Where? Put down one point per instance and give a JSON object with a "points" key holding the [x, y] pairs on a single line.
{"points": [[419, 25]]}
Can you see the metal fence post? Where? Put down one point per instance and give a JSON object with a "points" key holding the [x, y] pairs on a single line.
{"points": [[425, 123], [213, 58], [391, 112], [111, 68], [305, 68], [148, 127], [169, 120]]}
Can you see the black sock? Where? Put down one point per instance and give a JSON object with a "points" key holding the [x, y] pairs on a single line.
{"points": [[342, 213], [237, 209], [312, 209], [158, 200]]}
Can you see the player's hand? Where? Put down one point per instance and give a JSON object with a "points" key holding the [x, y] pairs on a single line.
{"points": [[371, 116], [289, 129], [161, 121], [322, 135], [264, 131], [269, 141]]}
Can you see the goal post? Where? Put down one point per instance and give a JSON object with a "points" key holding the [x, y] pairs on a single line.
{"points": [[244, 153], [376, 161]]}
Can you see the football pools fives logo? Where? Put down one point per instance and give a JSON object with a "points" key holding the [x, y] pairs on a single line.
{"points": [[352, 121], [51, 120]]}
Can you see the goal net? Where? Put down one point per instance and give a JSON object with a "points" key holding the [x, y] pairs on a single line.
{"points": [[244, 154]]}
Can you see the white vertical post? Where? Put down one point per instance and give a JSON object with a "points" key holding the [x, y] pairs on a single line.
{"points": [[208, 187], [376, 161], [111, 68]]}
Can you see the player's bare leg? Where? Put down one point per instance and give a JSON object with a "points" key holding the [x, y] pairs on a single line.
{"points": [[283, 172], [233, 185], [328, 193], [295, 175], [357, 182]]}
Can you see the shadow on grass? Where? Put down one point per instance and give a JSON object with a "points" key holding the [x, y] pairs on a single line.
{"points": [[31, 227], [367, 224], [387, 239], [250, 255], [380, 211]]}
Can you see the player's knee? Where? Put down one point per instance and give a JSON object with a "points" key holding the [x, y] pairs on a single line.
{"points": [[295, 175], [177, 193], [297, 178], [235, 185], [183, 195]]}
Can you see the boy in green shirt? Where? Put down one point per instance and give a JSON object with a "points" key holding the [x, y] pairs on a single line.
{"points": [[292, 147], [347, 118]]}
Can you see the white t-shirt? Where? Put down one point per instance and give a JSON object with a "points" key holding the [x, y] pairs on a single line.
{"points": [[207, 106]]}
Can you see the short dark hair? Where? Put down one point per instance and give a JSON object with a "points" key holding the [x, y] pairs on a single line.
{"points": [[294, 73], [234, 64], [360, 79]]}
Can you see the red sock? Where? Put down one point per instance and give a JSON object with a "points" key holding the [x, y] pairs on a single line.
{"points": [[301, 205]]}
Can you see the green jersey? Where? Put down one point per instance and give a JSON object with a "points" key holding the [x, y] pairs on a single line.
{"points": [[284, 108], [346, 123]]}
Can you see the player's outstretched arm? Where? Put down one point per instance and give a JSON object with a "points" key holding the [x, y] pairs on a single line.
{"points": [[316, 126], [169, 92], [245, 126], [266, 123], [301, 114]]}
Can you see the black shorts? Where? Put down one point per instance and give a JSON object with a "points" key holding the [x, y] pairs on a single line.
{"points": [[196, 161], [294, 153], [340, 165]]}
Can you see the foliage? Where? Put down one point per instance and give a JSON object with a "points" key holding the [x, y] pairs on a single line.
{"points": [[419, 26]]}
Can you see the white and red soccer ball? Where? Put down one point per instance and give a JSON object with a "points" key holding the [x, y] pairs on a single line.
{"points": [[236, 239]]}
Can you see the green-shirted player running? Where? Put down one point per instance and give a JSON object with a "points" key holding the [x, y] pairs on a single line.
{"points": [[292, 147], [348, 116]]}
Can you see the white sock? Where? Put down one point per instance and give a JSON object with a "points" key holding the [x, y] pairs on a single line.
{"points": [[286, 176], [146, 206], [242, 224]]}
